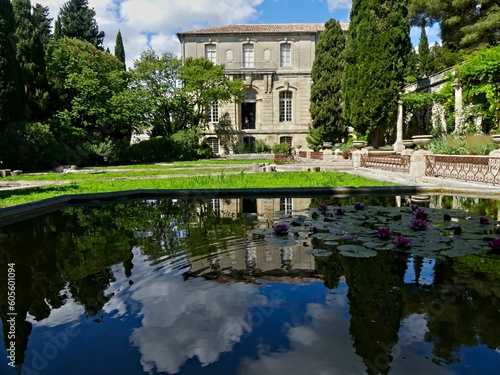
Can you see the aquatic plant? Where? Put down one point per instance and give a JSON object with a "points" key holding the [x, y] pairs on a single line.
{"points": [[418, 224], [359, 206], [322, 207], [340, 211], [483, 220], [421, 214], [281, 229], [384, 233], [402, 242], [495, 243]]}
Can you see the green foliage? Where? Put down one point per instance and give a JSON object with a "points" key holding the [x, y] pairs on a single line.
{"points": [[314, 138], [153, 84], [261, 147], [120, 50], [156, 149], [377, 52], [326, 110], [11, 89], [77, 20], [418, 104], [30, 146], [472, 144], [186, 144], [31, 56], [92, 89], [480, 75], [206, 83], [281, 148], [42, 23], [425, 63]]}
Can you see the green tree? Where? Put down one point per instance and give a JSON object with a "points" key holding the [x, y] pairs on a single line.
{"points": [[77, 20], [120, 50], [377, 52], [425, 64], [206, 83], [92, 89], [11, 92], [31, 57], [326, 94], [42, 23], [154, 81]]}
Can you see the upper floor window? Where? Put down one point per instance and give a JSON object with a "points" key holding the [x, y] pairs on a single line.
{"points": [[285, 106], [286, 55], [247, 55], [211, 53], [213, 113]]}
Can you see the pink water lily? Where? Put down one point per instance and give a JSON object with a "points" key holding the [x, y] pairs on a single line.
{"points": [[418, 224], [384, 233], [402, 242], [281, 229]]}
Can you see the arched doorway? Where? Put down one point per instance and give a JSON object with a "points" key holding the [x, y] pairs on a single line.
{"points": [[248, 110]]}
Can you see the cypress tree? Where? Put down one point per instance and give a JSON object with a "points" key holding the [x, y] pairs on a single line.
{"points": [[31, 57], [326, 94], [11, 93], [424, 55], [377, 52], [77, 20], [119, 49], [42, 24]]}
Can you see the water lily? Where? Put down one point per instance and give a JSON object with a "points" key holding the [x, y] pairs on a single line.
{"points": [[418, 224], [384, 233], [421, 214], [495, 243], [414, 207], [359, 205], [402, 242], [340, 211], [322, 207], [281, 229], [483, 220]]}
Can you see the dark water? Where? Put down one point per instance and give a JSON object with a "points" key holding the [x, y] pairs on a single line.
{"points": [[186, 286]]}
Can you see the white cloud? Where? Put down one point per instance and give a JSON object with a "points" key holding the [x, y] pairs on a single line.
{"points": [[154, 23], [334, 5]]}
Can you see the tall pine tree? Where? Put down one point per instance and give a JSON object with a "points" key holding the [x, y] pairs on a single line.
{"points": [[326, 94], [377, 52], [11, 92], [77, 20], [119, 49], [31, 57], [42, 23]]}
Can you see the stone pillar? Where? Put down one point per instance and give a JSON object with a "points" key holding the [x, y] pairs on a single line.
{"points": [[458, 105], [328, 155], [398, 145], [356, 157], [417, 166]]}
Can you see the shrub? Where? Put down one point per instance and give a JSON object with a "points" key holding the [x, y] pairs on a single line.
{"points": [[185, 144], [157, 149], [30, 146], [261, 147], [472, 144], [281, 148], [109, 151]]}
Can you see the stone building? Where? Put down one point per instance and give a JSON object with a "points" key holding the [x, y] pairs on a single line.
{"points": [[275, 61]]}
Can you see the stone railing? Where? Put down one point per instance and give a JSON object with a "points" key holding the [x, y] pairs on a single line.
{"points": [[468, 168], [482, 169]]}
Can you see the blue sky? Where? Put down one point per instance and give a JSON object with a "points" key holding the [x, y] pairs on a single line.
{"points": [[154, 23]]}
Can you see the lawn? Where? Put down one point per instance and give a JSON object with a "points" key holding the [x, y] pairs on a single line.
{"points": [[219, 181]]}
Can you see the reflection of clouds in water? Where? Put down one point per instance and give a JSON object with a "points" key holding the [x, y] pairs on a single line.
{"points": [[323, 346], [69, 312], [413, 329], [182, 320]]}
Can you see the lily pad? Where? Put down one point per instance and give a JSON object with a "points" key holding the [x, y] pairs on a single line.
{"points": [[356, 251], [319, 252]]}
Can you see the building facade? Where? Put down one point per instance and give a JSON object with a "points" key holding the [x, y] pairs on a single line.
{"points": [[275, 62]]}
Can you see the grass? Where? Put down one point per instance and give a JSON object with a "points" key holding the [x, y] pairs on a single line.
{"points": [[220, 181], [193, 164]]}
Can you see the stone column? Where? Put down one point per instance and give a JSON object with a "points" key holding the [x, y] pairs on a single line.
{"points": [[398, 145], [458, 105], [417, 166]]}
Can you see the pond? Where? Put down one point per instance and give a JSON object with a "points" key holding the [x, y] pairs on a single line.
{"points": [[389, 285]]}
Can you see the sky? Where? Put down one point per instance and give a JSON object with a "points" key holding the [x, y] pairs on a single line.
{"points": [[154, 23]]}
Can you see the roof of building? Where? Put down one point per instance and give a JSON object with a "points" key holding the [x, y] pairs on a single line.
{"points": [[262, 28]]}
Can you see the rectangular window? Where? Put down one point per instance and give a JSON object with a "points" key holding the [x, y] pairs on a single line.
{"points": [[210, 53], [214, 143], [215, 203], [248, 55], [286, 205], [286, 55], [285, 106], [213, 113], [286, 139]]}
